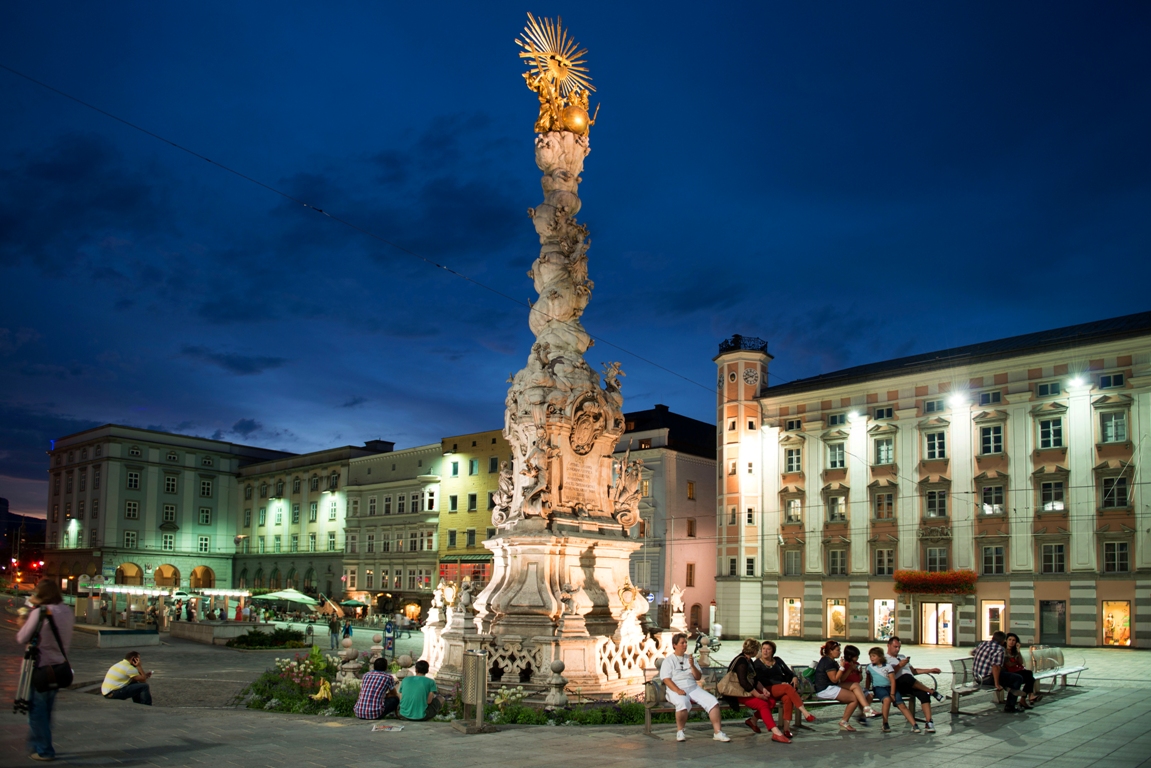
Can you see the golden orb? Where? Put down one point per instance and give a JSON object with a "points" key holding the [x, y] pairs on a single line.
{"points": [[575, 119]]}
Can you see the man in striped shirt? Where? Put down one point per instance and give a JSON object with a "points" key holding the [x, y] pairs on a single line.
{"points": [[128, 680], [374, 702]]}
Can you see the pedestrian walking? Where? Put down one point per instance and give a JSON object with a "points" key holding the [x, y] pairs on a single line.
{"points": [[334, 631]]}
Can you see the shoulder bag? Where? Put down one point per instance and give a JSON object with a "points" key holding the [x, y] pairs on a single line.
{"points": [[51, 677], [729, 684]]}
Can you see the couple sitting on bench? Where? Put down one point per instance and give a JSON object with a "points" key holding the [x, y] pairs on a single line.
{"points": [[998, 662]]}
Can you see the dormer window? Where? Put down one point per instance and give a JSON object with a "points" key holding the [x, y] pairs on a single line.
{"points": [[135, 451], [1111, 380]]}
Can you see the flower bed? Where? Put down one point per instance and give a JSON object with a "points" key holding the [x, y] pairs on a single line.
{"points": [[280, 638], [935, 582]]}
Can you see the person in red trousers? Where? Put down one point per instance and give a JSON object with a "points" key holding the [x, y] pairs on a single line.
{"points": [[758, 700], [780, 682]]}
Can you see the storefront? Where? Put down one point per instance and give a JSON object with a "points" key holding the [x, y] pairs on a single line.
{"points": [[1117, 622], [883, 616], [937, 623]]}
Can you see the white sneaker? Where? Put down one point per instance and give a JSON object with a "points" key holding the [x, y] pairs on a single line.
{"points": [[680, 736], [721, 736]]}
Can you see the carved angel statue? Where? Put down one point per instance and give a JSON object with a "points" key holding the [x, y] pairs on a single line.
{"points": [[467, 596], [626, 492], [676, 599], [551, 104], [611, 382]]}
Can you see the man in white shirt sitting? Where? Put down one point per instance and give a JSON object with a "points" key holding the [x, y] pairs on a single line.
{"points": [[680, 675]]}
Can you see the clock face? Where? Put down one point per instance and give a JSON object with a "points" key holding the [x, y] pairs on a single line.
{"points": [[750, 376]]}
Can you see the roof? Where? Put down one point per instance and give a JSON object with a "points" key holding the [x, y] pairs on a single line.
{"points": [[683, 432], [1070, 337]]}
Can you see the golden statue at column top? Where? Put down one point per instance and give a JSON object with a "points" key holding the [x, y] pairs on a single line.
{"points": [[558, 75]]}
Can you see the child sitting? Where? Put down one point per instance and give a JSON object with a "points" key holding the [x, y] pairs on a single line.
{"points": [[882, 678]]}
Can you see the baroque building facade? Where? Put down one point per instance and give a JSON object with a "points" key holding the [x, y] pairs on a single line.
{"points": [[471, 478], [1014, 460], [676, 527]]}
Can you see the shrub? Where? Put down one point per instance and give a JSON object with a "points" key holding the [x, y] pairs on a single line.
{"points": [[280, 638]]}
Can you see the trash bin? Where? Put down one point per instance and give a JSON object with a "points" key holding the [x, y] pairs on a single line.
{"points": [[474, 683]]}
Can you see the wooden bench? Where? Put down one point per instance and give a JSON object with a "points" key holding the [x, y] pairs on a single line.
{"points": [[1047, 663], [963, 683], [655, 703]]}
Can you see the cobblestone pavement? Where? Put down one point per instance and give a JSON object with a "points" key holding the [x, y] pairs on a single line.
{"points": [[1103, 723]]}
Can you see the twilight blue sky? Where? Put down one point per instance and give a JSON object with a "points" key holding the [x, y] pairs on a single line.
{"points": [[851, 181]]}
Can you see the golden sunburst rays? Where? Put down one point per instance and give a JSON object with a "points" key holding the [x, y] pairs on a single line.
{"points": [[553, 54]]}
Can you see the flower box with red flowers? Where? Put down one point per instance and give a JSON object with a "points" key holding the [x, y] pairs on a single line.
{"points": [[935, 582]]}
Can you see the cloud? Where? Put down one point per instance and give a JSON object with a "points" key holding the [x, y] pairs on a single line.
{"points": [[27, 432], [241, 365], [10, 342], [354, 402], [246, 427]]}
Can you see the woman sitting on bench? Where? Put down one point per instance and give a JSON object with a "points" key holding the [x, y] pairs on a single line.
{"points": [[827, 682], [1013, 662], [758, 700], [780, 682]]}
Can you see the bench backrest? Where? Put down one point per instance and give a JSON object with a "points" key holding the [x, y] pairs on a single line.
{"points": [[1044, 657], [963, 671]]}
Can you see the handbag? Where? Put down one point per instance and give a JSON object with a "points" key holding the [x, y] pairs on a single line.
{"points": [[729, 683], [51, 677]]}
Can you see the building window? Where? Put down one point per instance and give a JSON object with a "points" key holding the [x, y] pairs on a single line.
{"points": [[884, 450], [471, 502], [311, 542], [295, 485], [1051, 433], [350, 543], [80, 509], [732, 566], [331, 541], [453, 503], [451, 538], [471, 537], [1114, 492], [690, 490], [132, 510], [312, 512], [279, 489], [260, 544], [885, 412], [277, 543], [1053, 560], [884, 506], [1051, 496], [369, 579], [401, 504], [169, 515], [95, 478], [933, 406], [836, 456], [691, 527], [1112, 427], [332, 508], [936, 503], [262, 517], [837, 562], [455, 469], [133, 481], [792, 562], [749, 566], [130, 538], [793, 425], [731, 425], [689, 578], [493, 464], [473, 466], [314, 482], [836, 419], [884, 562], [135, 451], [1048, 389], [733, 469], [750, 469], [295, 514], [279, 516], [83, 480], [206, 488], [836, 509], [169, 484], [937, 558], [1116, 558], [731, 518], [794, 511], [263, 490], [333, 481], [206, 461], [750, 519], [491, 533], [990, 398], [1110, 380], [371, 506], [205, 516], [993, 499], [95, 508], [994, 562], [168, 542], [991, 439], [294, 543], [247, 493], [936, 445], [793, 460]]}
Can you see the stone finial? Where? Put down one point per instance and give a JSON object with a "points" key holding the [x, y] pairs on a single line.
{"points": [[556, 698]]}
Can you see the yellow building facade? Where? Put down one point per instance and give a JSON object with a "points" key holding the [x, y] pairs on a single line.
{"points": [[469, 478]]}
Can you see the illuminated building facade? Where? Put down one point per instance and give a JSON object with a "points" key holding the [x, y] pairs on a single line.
{"points": [[1015, 460], [471, 474]]}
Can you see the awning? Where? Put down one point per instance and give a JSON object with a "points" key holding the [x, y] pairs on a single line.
{"points": [[449, 559], [288, 595], [354, 604]]}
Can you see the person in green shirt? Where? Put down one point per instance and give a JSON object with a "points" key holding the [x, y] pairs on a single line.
{"points": [[418, 698]]}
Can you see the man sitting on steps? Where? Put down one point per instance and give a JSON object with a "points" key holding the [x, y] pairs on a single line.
{"points": [[127, 680]]}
